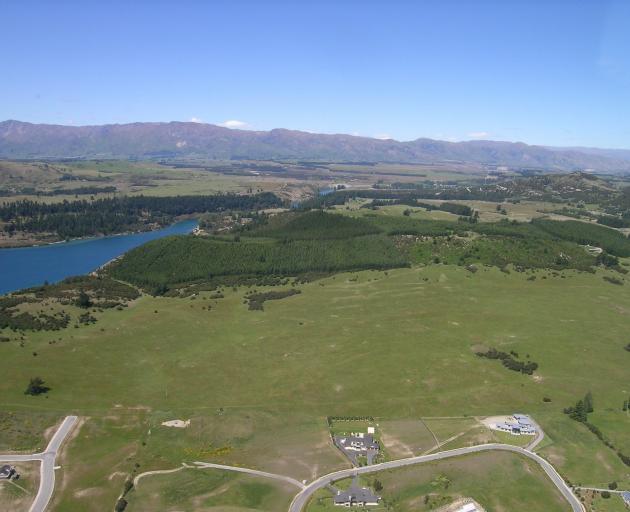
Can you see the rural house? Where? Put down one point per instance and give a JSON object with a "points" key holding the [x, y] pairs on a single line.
{"points": [[356, 496]]}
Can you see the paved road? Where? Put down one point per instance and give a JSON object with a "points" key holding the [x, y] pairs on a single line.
{"points": [[254, 472], [302, 498], [47, 464]]}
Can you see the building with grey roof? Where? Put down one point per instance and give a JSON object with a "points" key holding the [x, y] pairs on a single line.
{"points": [[519, 424], [625, 496], [356, 445], [356, 496]]}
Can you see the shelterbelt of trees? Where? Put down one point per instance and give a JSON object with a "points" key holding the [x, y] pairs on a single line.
{"points": [[69, 219], [298, 243]]}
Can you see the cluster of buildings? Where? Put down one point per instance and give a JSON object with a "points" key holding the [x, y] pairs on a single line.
{"points": [[358, 444], [353, 446], [356, 496], [518, 424]]}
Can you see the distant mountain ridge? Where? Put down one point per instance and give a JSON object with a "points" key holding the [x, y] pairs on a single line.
{"points": [[20, 140], [618, 154]]}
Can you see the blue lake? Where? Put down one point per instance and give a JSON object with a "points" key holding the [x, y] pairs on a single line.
{"points": [[31, 266]]}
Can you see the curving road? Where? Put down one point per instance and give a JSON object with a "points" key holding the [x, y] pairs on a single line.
{"points": [[301, 499], [47, 464]]}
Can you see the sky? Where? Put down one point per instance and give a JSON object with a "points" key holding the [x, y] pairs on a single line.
{"points": [[550, 72]]}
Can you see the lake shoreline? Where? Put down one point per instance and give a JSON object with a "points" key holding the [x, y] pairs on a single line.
{"points": [[25, 267], [44, 243]]}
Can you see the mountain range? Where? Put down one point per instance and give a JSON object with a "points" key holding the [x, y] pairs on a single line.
{"points": [[182, 140]]}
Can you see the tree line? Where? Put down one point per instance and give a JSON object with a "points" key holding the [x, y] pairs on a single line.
{"points": [[580, 411], [70, 219]]}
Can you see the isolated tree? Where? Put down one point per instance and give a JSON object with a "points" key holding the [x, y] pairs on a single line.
{"points": [[378, 486], [588, 402], [36, 387]]}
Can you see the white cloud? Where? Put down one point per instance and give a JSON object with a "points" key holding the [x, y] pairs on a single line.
{"points": [[233, 123], [478, 135], [383, 136], [195, 120]]}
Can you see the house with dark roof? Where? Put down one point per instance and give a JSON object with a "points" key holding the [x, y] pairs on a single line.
{"points": [[7, 472], [356, 496]]}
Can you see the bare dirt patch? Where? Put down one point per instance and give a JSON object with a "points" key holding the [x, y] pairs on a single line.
{"points": [[176, 423]]}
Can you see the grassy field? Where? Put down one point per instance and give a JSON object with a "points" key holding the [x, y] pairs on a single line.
{"points": [[156, 179], [523, 211], [499, 481], [25, 180], [208, 489], [257, 385]]}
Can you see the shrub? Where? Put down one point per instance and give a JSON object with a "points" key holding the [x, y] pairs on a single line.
{"points": [[36, 387], [256, 300]]}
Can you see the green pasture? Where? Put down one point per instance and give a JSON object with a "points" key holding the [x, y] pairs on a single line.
{"points": [[257, 385]]}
